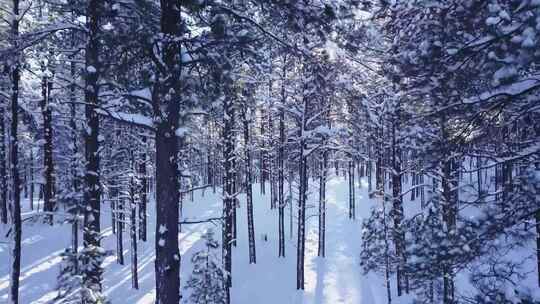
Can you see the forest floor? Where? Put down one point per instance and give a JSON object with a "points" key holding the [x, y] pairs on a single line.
{"points": [[336, 279]]}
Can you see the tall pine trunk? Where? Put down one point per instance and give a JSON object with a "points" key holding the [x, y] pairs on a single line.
{"points": [[322, 205], [73, 166], [538, 244], [249, 189], [133, 225], [143, 193], [92, 271], [120, 218], [450, 197], [281, 180], [352, 203], [302, 197], [228, 189], [48, 169], [397, 213], [3, 167], [14, 147], [166, 98]]}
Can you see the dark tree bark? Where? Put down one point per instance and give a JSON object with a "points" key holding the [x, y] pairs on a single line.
{"points": [[538, 244], [228, 189], [303, 168], [270, 154], [92, 212], [449, 204], [397, 212], [48, 167], [281, 177], [381, 193], [322, 205], [14, 148], [133, 226], [74, 160], [3, 167], [290, 202], [281, 164], [479, 176], [352, 203], [249, 189], [32, 184], [120, 218], [166, 111], [263, 155], [143, 194], [300, 254]]}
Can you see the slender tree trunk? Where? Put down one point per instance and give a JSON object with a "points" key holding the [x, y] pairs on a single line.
{"points": [[413, 185], [249, 190], [422, 193], [228, 187], [301, 221], [14, 147], [290, 202], [133, 227], [74, 173], [25, 179], [479, 176], [143, 194], [32, 182], [538, 244], [352, 203], [382, 193], [301, 243], [3, 167], [48, 167], [270, 164], [263, 154], [120, 218], [322, 205], [235, 203], [281, 180], [397, 212], [449, 186]]}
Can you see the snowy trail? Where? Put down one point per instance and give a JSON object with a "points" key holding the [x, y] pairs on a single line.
{"points": [[334, 279]]}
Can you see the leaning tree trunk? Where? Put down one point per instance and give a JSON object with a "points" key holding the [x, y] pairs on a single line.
{"points": [[166, 110]]}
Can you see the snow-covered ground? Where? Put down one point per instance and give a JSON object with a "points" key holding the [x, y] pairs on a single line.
{"points": [[337, 278]]}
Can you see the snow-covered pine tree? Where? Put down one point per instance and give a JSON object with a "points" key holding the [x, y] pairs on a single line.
{"points": [[206, 284]]}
